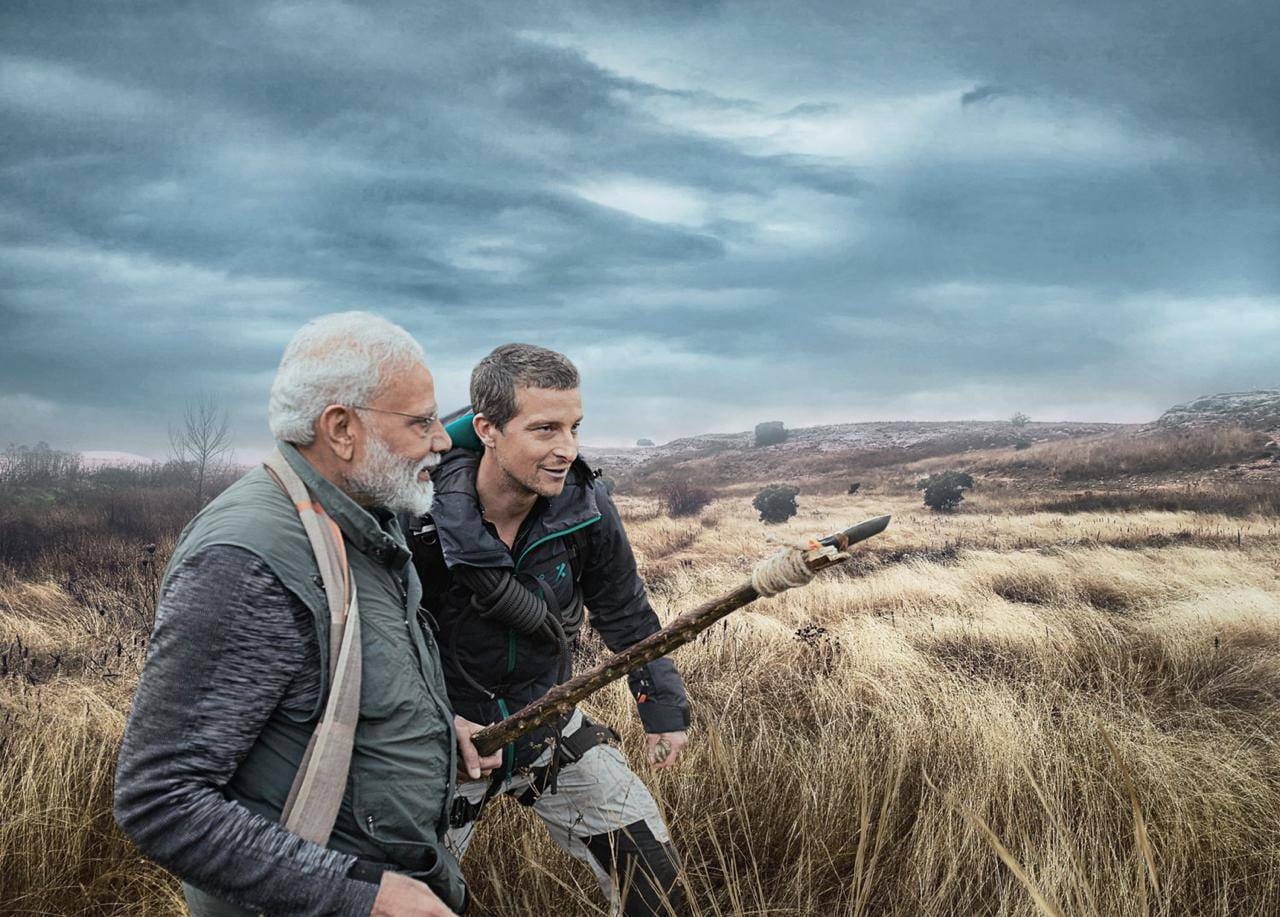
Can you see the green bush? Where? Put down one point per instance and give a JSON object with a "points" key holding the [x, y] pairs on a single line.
{"points": [[943, 492], [776, 503]]}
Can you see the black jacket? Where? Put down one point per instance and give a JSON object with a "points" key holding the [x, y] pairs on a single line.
{"points": [[575, 544]]}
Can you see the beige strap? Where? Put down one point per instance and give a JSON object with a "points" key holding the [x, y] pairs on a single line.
{"points": [[321, 781]]}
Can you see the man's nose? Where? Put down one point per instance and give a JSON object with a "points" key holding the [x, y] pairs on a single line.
{"points": [[566, 447], [440, 441]]}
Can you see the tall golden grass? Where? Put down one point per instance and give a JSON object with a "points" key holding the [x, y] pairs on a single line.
{"points": [[990, 712]]}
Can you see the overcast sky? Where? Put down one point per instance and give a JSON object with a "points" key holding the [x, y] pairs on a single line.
{"points": [[723, 213]]}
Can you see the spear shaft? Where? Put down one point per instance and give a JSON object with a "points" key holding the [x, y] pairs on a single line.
{"points": [[564, 697]]}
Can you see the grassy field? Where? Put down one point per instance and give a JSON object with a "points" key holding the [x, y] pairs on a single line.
{"points": [[1036, 705]]}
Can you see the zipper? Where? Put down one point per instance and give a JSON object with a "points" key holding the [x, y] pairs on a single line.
{"points": [[410, 622], [545, 538], [513, 639]]}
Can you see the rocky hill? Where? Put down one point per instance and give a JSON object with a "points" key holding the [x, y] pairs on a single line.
{"points": [[878, 435], [719, 458], [1258, 410]]}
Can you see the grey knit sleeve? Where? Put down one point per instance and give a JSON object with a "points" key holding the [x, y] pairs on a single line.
{"points": [[230, 646]]}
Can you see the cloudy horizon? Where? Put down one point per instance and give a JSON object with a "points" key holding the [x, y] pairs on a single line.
{"points": [[722, 212]]}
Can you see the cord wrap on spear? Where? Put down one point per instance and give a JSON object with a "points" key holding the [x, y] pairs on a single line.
{"points": [[787, 569], [791, 567]]}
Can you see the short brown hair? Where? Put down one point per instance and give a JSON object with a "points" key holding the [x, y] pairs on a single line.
{"points": [[495, 379]]}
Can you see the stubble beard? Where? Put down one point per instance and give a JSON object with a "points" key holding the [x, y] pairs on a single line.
{"points": [[390, 482], [526, 486]]}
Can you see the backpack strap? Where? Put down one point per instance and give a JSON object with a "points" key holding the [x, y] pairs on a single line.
{"points": [[311, 808], [428, 560]]}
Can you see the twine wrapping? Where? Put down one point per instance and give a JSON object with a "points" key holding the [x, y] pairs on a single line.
{"points": [[790, 566], [780, 572]]}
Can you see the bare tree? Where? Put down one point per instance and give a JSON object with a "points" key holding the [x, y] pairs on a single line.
{"points": [[202, 444]]}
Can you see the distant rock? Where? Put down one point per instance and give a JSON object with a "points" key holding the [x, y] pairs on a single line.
{"points": [[770, 433], [1258, 410]]}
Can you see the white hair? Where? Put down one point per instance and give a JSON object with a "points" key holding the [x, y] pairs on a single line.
{"points": [[340, 358]]}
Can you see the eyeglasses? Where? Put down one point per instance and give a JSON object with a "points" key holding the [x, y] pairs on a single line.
{"points": [[427, 421]]}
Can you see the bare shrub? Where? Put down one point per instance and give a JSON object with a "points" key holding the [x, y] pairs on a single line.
{"points": [[38, 465], [680, 498]]}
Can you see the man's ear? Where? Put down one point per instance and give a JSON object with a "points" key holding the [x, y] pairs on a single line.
{"points": [[485, 429], [335, 427]]}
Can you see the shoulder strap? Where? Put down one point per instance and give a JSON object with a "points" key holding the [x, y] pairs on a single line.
{"points": [[316, 795], [428, 559]]}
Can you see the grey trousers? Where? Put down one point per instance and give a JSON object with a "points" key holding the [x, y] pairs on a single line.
{"points": [[604, 816]]}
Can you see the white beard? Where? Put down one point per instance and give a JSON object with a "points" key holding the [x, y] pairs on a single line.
{"points": [[388, 481]]}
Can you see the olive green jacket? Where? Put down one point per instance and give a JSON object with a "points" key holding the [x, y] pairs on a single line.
{"points": [[400, 787]]}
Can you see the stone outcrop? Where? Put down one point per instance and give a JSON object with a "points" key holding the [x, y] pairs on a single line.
{"points": [[1259, 410]]}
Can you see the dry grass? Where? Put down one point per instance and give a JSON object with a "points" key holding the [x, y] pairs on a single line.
{"points": [[1238, 500], [990, 712], [1115, 455]]}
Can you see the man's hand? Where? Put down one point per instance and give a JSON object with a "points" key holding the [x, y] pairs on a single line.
{"points": [[662, 748], [470, 765], [400, 896]]}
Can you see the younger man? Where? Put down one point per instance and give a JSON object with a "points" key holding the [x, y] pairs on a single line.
{"points": [[524, 537]]}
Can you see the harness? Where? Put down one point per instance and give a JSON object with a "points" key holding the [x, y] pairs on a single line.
{"points": [[525, 606], [521, 603], [569, 750]]}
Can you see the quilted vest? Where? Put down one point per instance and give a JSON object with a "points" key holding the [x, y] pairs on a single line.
{"points": [[400, 787]]}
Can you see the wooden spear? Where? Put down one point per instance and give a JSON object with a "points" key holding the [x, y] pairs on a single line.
{"points": [[564, 697]]}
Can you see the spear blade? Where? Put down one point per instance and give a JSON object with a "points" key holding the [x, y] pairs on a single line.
{"points": [[860, 532]]}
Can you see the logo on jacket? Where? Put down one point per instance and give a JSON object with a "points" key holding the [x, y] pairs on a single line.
{"points": [[562, 570]]}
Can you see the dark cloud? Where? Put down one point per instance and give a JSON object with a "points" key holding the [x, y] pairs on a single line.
{"points": [[982, 94], [805, 109], [709, 206]]}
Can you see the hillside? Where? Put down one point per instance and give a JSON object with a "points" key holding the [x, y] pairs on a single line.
{"points": [[1257, 410], [823, 456]]}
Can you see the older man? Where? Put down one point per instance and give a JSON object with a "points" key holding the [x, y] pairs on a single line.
{"points": [[234, 683]]}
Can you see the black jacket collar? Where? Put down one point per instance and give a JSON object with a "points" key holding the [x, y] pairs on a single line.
{"points": [[463, 535]]}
